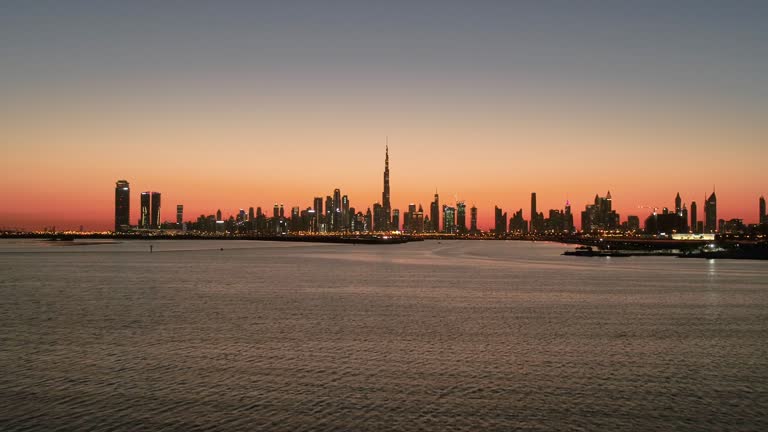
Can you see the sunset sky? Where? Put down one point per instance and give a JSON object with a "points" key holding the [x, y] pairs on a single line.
{"points": [[226, 105]]}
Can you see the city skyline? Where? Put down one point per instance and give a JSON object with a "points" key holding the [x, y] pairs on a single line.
{"points": [[338, 215], [251, 104]]}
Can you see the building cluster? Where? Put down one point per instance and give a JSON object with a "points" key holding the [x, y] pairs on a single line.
{"points": [[334, 214]]}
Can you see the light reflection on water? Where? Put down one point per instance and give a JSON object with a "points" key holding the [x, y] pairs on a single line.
{"points": [[424, 336]]}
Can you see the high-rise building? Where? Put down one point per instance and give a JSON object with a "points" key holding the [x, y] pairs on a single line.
{"points": [[569, 217], [395, 220], [275, 211], [251, 215], [385, 194], [345, 217], [710, 213], [144, 216], [501, 221], [379, 218], [218, 215], [449, 219], [473, 220], [434, 213], [600, 216], [534, 213], [763, 216], [461, 217], [282, 211], [328, 212], [180, 214], [694, 217], [155, 215], [678, 206], [517, 225], [122, 205], [336, 215]]}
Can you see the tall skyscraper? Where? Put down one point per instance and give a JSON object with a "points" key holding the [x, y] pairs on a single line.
{"points": [[345, 219], [473, 220], [710, 213], [275, 211], [385, 204], [395, 219], [336, 215], [218, 215], [461, 217], [180, 214], [694, 217], [146, 200], [534, 213], [122, 205], [449, 219], [500, 220], [763, 217], [678, 206], [434, 213], [155, 214]]}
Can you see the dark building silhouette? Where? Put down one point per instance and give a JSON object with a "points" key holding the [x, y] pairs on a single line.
{"points": [[518, 224], [345, 216], [336, 215], [710, 213], [537, 218], [395, 220], [461, 217], [500, 219], [122, 205], [386, 206], [180, 214], [633, 223], [665, 223], [434, 213], [144, 216], [600, 216], [694, 217], [473, 220], [763, 216], [678, 206], [155, 214], [379, 218], [449, 219]]}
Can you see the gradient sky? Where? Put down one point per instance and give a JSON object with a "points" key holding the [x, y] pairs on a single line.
{"points": [[236, 104]]}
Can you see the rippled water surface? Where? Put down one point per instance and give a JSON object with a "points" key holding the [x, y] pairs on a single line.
{"points": [[424, 336]]}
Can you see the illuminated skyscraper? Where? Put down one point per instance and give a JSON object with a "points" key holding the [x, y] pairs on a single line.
{"points": [[144, 220], [710, 213], [449, 219], [434, 213], [122, 205], [155, 214], [461, 217], [395, 220], [386, 206]]}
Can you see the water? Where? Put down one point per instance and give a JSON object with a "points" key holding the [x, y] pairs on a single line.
{"points": [[424, 336]]}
